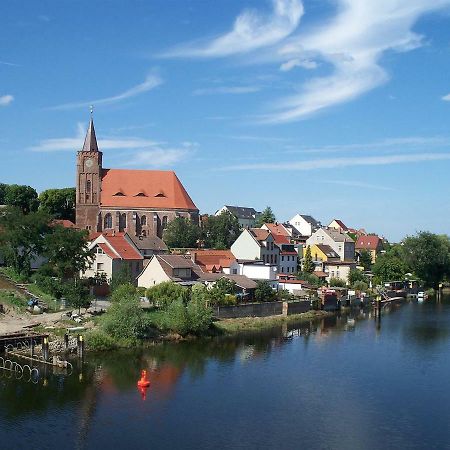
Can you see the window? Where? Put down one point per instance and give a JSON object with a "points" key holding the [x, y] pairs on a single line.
{"points": [[164, 222], [282, 258], [107, 222], [122, 222], [234, 271], [88, 186], [144, 220], [99, 267], [99, 251]]}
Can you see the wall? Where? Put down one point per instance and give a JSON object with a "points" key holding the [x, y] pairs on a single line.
{"points": [[246, 247], [260, 309], [152, 275]]}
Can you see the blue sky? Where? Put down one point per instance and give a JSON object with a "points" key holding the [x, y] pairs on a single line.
{"points": [[332, 108]]}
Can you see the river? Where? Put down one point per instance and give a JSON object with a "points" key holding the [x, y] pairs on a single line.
{"points": [[332, 384]]}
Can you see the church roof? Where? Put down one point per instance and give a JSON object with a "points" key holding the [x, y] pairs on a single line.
{"points": [[157, 189], [90, 141]]}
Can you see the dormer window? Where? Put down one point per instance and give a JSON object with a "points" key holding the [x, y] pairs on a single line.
{"points": [[119, 194], [141, 194], [160, 194]]}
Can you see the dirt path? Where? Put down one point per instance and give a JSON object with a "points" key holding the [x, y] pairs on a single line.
{"points": [[12, 321]]}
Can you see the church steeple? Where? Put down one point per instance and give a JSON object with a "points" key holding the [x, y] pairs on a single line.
{"points": [[90, 141]]}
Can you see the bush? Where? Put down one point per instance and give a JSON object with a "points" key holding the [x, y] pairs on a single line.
{"points": [[124, 319], [176, 318], [356, 275], [165, 293], [264, 292], [360, 286], [99, 341], [284, 295], [199, 316], [337, 282], [124, 291], [49, 285]]}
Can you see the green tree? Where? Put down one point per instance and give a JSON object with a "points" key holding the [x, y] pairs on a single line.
{"points": [[220, 231], [126, 290], [22, 237], [310, 278], [59, 203], [337, 282], [356, 275], [166, 293], [200, 316], [2, 193], [77, 294], [121, 277], [182, 233], [267, 216], [223, 288], [360, 286], [389, 267], [308, 265], [428, 255], [365, 259], [23, 197], [67, 251], [264, 292]]}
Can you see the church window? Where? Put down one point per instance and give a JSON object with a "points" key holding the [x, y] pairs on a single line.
{"points": [[108, 221], [88, 185], [122, 222], [164, 222], [144, 220]]}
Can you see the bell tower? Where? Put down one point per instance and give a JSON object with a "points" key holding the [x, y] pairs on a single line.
{"points": [[89, 181]]}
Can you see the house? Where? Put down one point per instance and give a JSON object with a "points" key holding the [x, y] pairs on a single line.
{"points": [[246, 217], [139, 202], [277, 228], [338, 225], [338, 269], [149, 245], [322, 252], [288, 259], [177, 268], [214, 261], [340, 242], [256, 244], [257, 271], [372, 243], [306, 225], [112, 252], [294, 286], [245, 287]]}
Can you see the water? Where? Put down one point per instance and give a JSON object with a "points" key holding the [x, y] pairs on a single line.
{"points": [[326, 385]]}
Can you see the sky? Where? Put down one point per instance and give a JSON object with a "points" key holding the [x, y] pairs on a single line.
{"points": [[334, 108]]}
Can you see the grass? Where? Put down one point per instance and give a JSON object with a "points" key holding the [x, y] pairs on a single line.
{"points": [[259, 323], [13, 299], [53, 304]]}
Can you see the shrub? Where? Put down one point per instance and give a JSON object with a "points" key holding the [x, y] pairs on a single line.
{"points": [[176, 318], [199, 316], [360, 286], [124, 291], [165, 293], [264, 292], [99, 341], [337, 282], [49, 285]]}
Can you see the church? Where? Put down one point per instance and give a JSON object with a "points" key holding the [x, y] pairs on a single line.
{"points": [[139, 202]]}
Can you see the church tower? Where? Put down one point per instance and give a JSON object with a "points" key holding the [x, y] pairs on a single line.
{"points": [[89, 182]]}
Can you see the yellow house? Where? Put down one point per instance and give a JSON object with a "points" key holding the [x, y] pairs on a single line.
{"points": [[321, 252]]}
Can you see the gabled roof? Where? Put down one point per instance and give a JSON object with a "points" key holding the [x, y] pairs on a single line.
{"points": [[171, 262], [341, 224], [210, 259], [242, 212], [337, 235], [327, 250], [310, 220], [277, 228], [368, 242], [157, 189], [117, 246], [176, 261], [241, 281], [64, 223], [259, 234], [149, 243]]}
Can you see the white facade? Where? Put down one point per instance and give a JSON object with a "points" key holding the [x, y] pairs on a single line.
{"points": [[247, 247], [305, 227], [339, 242], [152, 274], [336, 270]]}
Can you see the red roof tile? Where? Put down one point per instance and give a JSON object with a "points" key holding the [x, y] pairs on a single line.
{"points": [[277, 228], [368, 242], [108, 251], [121, 246], [64, 222], [144, 189]]}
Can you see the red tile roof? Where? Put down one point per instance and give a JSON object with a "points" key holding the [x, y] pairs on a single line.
{"points": [[106, 249], [64, 222], [259, 234], [213, 258], [280, 239], [121, 246], [341, 224], [368, 242], [144, 189], [277, 228]]}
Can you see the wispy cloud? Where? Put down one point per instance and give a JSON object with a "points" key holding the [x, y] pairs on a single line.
{"points": [[297, 62], [6, 63], [158, 157], [335, 163], [151, 82], [227, 90], [5, 100], [251, 30], [446, 98], [76, 142], [359, 184]]}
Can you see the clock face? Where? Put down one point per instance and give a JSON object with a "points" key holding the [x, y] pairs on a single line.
{"points": [[89, 163]]}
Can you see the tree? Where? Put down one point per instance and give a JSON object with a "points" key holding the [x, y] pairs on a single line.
{"points": [[428, 255], [267, 216], [181, 233], [264, 291], [221, 231], [121, 277], [60, 203], [360, 286], [67, 251], [22, 237], [355, 276], [223, 288], [337, 282], [308, 265], [2, 193], [388, 267], [24, 197], [78, 295], [166, 293], [365, 259]]}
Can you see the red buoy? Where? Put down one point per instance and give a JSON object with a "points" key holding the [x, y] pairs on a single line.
{"points": [[144, 381]]}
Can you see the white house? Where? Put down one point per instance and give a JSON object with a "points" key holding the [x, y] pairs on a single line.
{"points": [[306, 225], [338, 225], [112, 252], [256, 244], [338, 269], [340, 242], [246, 217]]}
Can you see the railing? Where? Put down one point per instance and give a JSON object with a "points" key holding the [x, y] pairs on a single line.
{"points": [[25, 372]]}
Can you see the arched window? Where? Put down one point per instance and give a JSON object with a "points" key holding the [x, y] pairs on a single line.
{"points": [[122, 222], [144, 233], [144, 220], [88, 186], [107, 222], [164, 222]]}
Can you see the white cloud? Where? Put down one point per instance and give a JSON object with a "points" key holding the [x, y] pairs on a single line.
{"points": [[251, 31], [158, 157], [446, 98], [359, 184], [5, 100], [6, 63], [149, 83], [75, 143], [227, 90], [297, 62], [335, 163]]}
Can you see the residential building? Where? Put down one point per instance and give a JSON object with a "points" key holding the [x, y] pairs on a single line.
{"points": [[338, 269], [338, 225], [149, 245], [246, 217], [306, 225], [257, 271], [372, 243], [112, 252], [245, 287], [288, 259], [277, 228], [256, 244], [214, 261], [139, 202], [340, 242], [322, 252]]}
